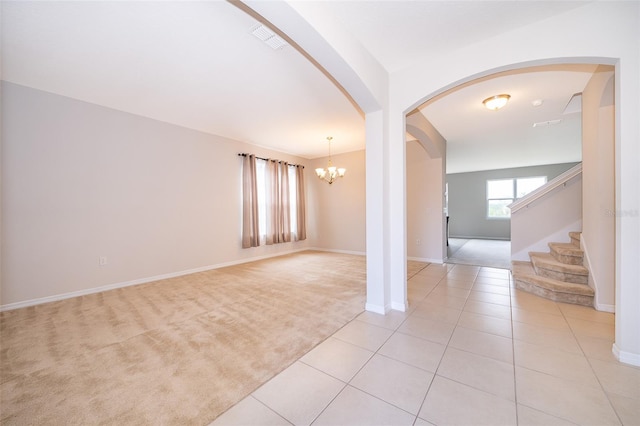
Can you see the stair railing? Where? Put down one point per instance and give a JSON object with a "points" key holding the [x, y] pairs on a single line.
{"points": [[546, 214], [557, 182]]}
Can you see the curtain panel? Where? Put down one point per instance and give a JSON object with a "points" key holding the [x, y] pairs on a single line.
{"points": [[274, 205], [250, 217], [277, 203], [301, 216]]}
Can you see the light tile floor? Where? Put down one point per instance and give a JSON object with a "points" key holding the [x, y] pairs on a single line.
{"points": [[472, 350]]}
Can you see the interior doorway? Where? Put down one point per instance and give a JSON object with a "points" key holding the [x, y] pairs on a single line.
{"points": [[478, 252]]}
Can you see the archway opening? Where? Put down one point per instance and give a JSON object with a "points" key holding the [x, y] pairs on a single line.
{"points": [[538, 135]]}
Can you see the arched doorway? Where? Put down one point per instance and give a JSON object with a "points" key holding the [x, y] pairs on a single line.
{"points": [[539, 126], [532, 152]]}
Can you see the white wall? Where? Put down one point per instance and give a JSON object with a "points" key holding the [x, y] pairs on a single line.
{"points": [[598, 141], [425, 205], [338, 210], [82, 181], [555, 215], [598, 32]]}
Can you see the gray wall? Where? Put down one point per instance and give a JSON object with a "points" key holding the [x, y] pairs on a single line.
{"points": [[467, 200]]}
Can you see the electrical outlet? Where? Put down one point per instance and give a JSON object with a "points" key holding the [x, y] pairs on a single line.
{"points": [[102, 260], [418, 242]]}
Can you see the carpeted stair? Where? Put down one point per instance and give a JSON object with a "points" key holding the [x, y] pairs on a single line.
{"points": [[558, 275]]}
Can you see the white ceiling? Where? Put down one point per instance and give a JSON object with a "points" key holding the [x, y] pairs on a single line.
{"points": [[397, 32], [195, 64], [480, 139]]}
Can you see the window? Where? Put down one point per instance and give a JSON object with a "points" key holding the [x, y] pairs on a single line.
{"points": [[527, 185], [499, 196], [263, 190], [273, 202], [502, 192]]}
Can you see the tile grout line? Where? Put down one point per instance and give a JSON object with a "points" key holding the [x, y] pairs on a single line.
{"points": [[374, 353], [269, 408], [606, 394], [446, 347], [449, 341], [513, 347], [564, 316]]}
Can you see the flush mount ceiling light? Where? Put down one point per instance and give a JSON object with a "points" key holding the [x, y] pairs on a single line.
{"points": [[331, 173], [496, 102]]}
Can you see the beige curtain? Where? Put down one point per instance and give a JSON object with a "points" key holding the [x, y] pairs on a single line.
{"points": [[301, 221], [250, 218], [277, 203], [278, 224], [284, 204], [271, 185]]}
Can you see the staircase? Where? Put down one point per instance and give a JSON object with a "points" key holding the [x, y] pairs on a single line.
{"points": [[558, 275]]}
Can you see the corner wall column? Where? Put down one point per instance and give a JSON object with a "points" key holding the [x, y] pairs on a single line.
{"points": [[377, 222], [627, 156], [396, 152]]}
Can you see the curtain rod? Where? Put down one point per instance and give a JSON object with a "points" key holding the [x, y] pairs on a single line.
{"points": [[242, 154]]}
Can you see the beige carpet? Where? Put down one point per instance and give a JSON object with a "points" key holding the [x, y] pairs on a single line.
{"points": [[177, 351]]}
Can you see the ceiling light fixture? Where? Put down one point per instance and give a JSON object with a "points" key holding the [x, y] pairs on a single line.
{"points": [[331, 173], [496, 102]]}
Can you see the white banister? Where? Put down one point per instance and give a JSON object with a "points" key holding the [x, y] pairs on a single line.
{"points": [[560, 180]]}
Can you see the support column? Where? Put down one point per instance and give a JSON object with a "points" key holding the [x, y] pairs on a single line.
{"points": [[397, 211], [627, 342], [377, 216]]}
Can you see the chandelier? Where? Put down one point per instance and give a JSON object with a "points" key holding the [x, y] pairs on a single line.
{"points": [[331, 173]]}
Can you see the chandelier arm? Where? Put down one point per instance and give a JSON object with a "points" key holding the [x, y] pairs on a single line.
{"points": [[331, 173]]}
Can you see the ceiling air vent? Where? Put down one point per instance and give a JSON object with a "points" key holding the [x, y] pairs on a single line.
{"points": [[546, 123], [269, 37]]}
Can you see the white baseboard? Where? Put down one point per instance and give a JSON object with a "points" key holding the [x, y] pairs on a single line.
{"points": [[476, 237], [605, 308], [93, 290], [626, 357], [376, 309], [426, 259], [357, 253], [399, 306], [593, 283]]}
